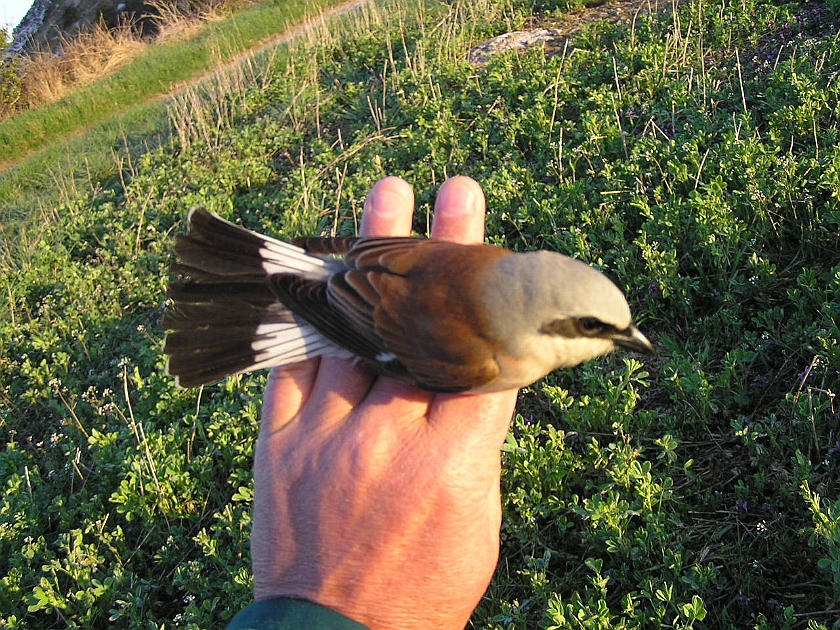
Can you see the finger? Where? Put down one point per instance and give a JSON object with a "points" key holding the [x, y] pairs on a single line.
{"points": [[459, 216], [340, 385], [459, 211], [388, 209], [398, 401], [286, 391]]}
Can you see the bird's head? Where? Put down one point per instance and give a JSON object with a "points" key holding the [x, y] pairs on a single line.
{"points": [[561, 307]]}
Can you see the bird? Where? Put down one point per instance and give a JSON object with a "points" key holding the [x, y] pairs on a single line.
{"points": [[444, 316]]}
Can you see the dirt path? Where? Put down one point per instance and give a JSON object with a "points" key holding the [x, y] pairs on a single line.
{"points": [[275, 40]]}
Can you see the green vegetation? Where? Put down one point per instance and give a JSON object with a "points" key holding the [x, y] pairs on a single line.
{"points": [[693, 156], [120, 109], [10, 82], [153, 73]]}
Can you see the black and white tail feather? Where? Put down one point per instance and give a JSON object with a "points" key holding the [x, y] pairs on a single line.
{"points": [[223, 316]]}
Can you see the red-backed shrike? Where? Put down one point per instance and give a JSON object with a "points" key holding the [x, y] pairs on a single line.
{"points": [[444, 316]]}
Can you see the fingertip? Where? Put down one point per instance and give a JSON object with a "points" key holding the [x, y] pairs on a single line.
{"points": [[459, 211], [388, 208]]}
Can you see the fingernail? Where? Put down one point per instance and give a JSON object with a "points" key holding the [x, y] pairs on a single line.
{"points": [[459, 201], [385, 203]]}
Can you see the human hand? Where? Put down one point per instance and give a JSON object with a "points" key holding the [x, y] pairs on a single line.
{"points": [[372, 497]]}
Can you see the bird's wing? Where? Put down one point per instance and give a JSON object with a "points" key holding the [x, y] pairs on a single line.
{"points": [[342, 308], [415, 295], [399, 309], [345, 323]]}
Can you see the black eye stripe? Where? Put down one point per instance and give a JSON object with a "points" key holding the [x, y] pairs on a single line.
{"points": [[591, 324], [560, 328], [594, 327], [577, 327]]}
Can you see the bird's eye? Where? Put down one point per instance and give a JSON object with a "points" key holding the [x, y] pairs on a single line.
{"points": [[592, 325]]}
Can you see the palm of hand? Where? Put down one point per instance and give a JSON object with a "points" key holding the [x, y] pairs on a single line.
{"points": [[374, 498]]}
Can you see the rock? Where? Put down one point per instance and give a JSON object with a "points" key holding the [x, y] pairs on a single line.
{"points": [[48, 22], [28, 27], [518, 40], [557, 36]]}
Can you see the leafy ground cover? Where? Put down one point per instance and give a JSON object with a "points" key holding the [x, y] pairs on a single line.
{"points": [[692, 155]]}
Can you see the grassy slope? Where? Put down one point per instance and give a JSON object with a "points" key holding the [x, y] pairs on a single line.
{"points": [[694, 158], [122, 110]]}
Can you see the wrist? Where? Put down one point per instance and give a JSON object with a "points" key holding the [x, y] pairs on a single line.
{"points": [[285, 613]]}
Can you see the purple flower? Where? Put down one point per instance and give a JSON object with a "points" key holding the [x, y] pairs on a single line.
{"points": [[742, 507]]}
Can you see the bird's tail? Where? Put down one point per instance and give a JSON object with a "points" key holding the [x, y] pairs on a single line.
{"points": [[223, 317]]}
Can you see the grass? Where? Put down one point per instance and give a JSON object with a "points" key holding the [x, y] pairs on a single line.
{"points": [[153, 73], [85, 59], [37, 142], [691, 155]]}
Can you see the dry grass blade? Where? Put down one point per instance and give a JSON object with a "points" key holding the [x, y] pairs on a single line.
{"points": [[178, 20], [91, 55]]}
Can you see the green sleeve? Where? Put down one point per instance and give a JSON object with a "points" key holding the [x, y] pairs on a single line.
{"points": [[291, 614]]}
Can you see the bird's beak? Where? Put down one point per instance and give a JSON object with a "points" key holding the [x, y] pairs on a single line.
{"points": [[632, 339]]}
